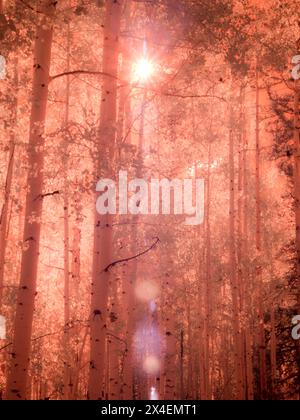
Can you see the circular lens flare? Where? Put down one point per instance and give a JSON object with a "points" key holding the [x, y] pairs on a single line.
{"points": [[151, 365], [153, 394], [143, 70], [146, 291]]}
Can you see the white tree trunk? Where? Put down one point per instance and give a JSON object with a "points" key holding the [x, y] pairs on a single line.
{"points": [[17, 379]]}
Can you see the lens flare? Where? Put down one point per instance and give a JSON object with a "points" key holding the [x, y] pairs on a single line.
{"points": [[146, 291], [152, 306], [151, 365], [143, 70], [153, 394]]}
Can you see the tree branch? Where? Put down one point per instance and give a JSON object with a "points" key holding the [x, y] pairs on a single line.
{"points": [[41, 196], [113, 264], [162, 93], [74, 72]]}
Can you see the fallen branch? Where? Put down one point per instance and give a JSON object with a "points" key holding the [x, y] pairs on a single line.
{"points": [[113, 264]]}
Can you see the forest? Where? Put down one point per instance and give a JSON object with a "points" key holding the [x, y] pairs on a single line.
{"points": [[149, 200]]}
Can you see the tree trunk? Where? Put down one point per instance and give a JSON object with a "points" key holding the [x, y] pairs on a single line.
{"points": [[4, 219], [233, 274], [102, 254], [207, 293], [66, 336], [246, 271], [114, 385], [297, 197], [297, 179], [17, 380], [4, 216], [262, 343], [273, 349], [241, 281], [170, 358]]}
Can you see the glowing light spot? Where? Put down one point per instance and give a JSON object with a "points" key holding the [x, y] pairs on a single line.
{"points": [[146, 291], [151, 365], [147, 340], [143, 70], [2, 327], [152, 306], [153, 394]]}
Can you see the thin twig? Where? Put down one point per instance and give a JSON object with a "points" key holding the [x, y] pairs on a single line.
{"points": [[113, 264]]}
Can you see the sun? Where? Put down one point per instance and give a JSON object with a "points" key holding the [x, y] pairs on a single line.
{"points": [[143, 70]]}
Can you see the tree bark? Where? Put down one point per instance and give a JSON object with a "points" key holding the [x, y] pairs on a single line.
{"points": [[233, 274], [296, 175], [17, 379], [261, 343], [66, 336], [297, 181], [102, 254], [4, 217], [246, 271]]}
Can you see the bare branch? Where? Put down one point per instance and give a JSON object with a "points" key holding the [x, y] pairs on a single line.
{"points": [[113, 264], [90, 72], [41, 196]]}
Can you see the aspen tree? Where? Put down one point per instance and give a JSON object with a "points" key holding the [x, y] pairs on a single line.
{"points": [[297, 177], [102, 253], [66, 337], [233, 274], [246, 271], [262, 343], [4, 216], [240, 280], [207, 283], [17, 379]]}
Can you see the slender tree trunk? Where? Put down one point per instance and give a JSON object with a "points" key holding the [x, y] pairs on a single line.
{"points": [[114, 385], [190, 360], [233, 274], [125, 389], [273, 348], [130, 304], [4, 219], [66, 337], [124, 108], [169, 372], [297, 197], [203, 264], [246, 271], [130, 314], [4, 216], [201, 337], [207, 293], [102, 254], [262, 343], [240, 279], [78, 304], [297, 178], [181, 364], [78, 365], [17, 379]]}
